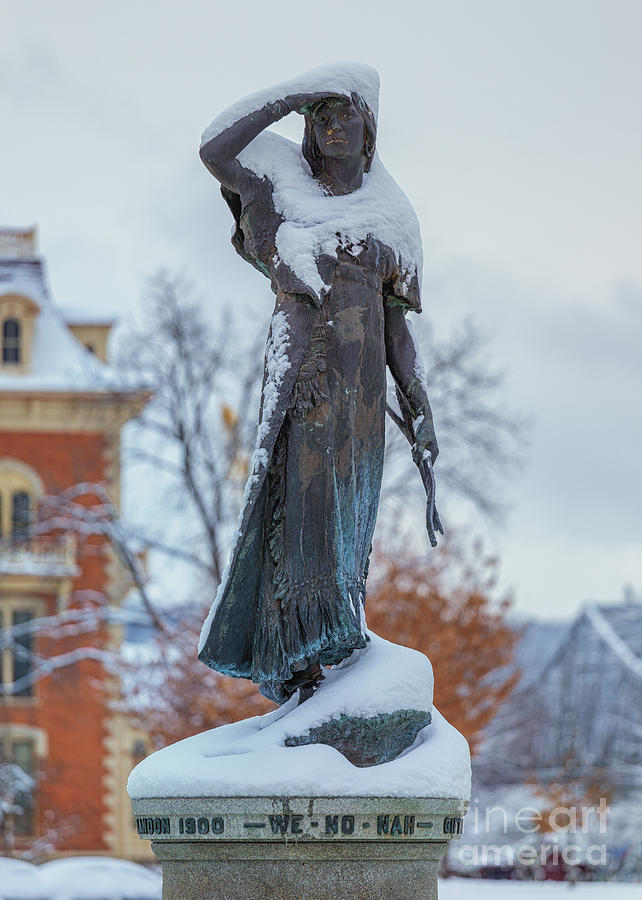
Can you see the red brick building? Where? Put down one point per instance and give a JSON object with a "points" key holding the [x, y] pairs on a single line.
{"points": [[61, 414]]}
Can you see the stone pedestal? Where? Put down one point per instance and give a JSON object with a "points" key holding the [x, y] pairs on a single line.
{"points": [[300, 848]]}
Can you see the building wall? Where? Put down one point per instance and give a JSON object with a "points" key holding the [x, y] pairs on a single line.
{"points": [[71, 704], [59, 428], [61, 459]]}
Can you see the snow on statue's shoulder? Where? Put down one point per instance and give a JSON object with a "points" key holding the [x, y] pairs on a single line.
{"points": [[251, 758], [311, 218]]}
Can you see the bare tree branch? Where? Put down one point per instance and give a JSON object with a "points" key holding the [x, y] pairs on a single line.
{"points": [[482, 441]]}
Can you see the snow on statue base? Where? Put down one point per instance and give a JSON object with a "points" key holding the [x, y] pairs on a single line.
{"points": [[241, 812]]}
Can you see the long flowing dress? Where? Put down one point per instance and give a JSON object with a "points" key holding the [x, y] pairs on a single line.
{"points": [[295, 589]]}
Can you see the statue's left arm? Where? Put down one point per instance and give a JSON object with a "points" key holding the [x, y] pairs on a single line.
{"points": [[406, 368]]}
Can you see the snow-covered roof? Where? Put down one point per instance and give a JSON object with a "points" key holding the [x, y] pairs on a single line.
{"points": [[74, 315], [537, 646], [59, 361], [620, 627]]}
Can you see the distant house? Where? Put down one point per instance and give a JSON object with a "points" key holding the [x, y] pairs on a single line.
{"points": [[557, 781], [578, 715], [64, 750]]}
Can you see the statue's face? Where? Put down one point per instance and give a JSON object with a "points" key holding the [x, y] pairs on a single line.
{"points": [[338, 128]]}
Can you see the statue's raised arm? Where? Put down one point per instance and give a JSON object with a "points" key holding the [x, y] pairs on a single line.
{"points": [[219, 153]]}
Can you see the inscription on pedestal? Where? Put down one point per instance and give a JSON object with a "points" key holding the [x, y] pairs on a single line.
{"points": [[305, 823], [452, 825], [152, 826]]}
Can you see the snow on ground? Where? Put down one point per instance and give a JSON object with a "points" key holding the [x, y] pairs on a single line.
{"points": [[99, 877], [20, 880], [78, 878], [249, 758], [475, 889]]}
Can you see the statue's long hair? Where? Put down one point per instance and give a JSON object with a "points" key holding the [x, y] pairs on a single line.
{"points": [[310, 148]]}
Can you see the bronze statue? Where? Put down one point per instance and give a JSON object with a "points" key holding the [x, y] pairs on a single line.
{"points": [[336, 237]]}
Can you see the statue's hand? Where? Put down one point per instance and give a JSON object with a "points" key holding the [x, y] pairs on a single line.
{"points": [[300, 102], [425, 438]]}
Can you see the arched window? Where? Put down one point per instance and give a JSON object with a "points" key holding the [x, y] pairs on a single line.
{"points": [[11, 341], [20, 514], [20, 488]]}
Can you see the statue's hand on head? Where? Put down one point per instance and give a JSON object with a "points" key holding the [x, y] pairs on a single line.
{"points": [[301, 103]]}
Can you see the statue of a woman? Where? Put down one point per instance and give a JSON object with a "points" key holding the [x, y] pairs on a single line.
{"points": [[340, 243]]}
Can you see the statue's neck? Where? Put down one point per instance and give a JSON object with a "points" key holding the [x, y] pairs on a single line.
{"points": [[342, 176]]}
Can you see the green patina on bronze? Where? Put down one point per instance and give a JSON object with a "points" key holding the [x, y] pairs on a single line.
{"points": [[370, 741]]}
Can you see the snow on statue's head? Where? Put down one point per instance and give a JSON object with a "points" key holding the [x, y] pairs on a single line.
{"points": [[354, 111]]}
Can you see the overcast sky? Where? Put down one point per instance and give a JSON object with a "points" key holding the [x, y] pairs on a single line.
{"points": [[515, 126]]}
